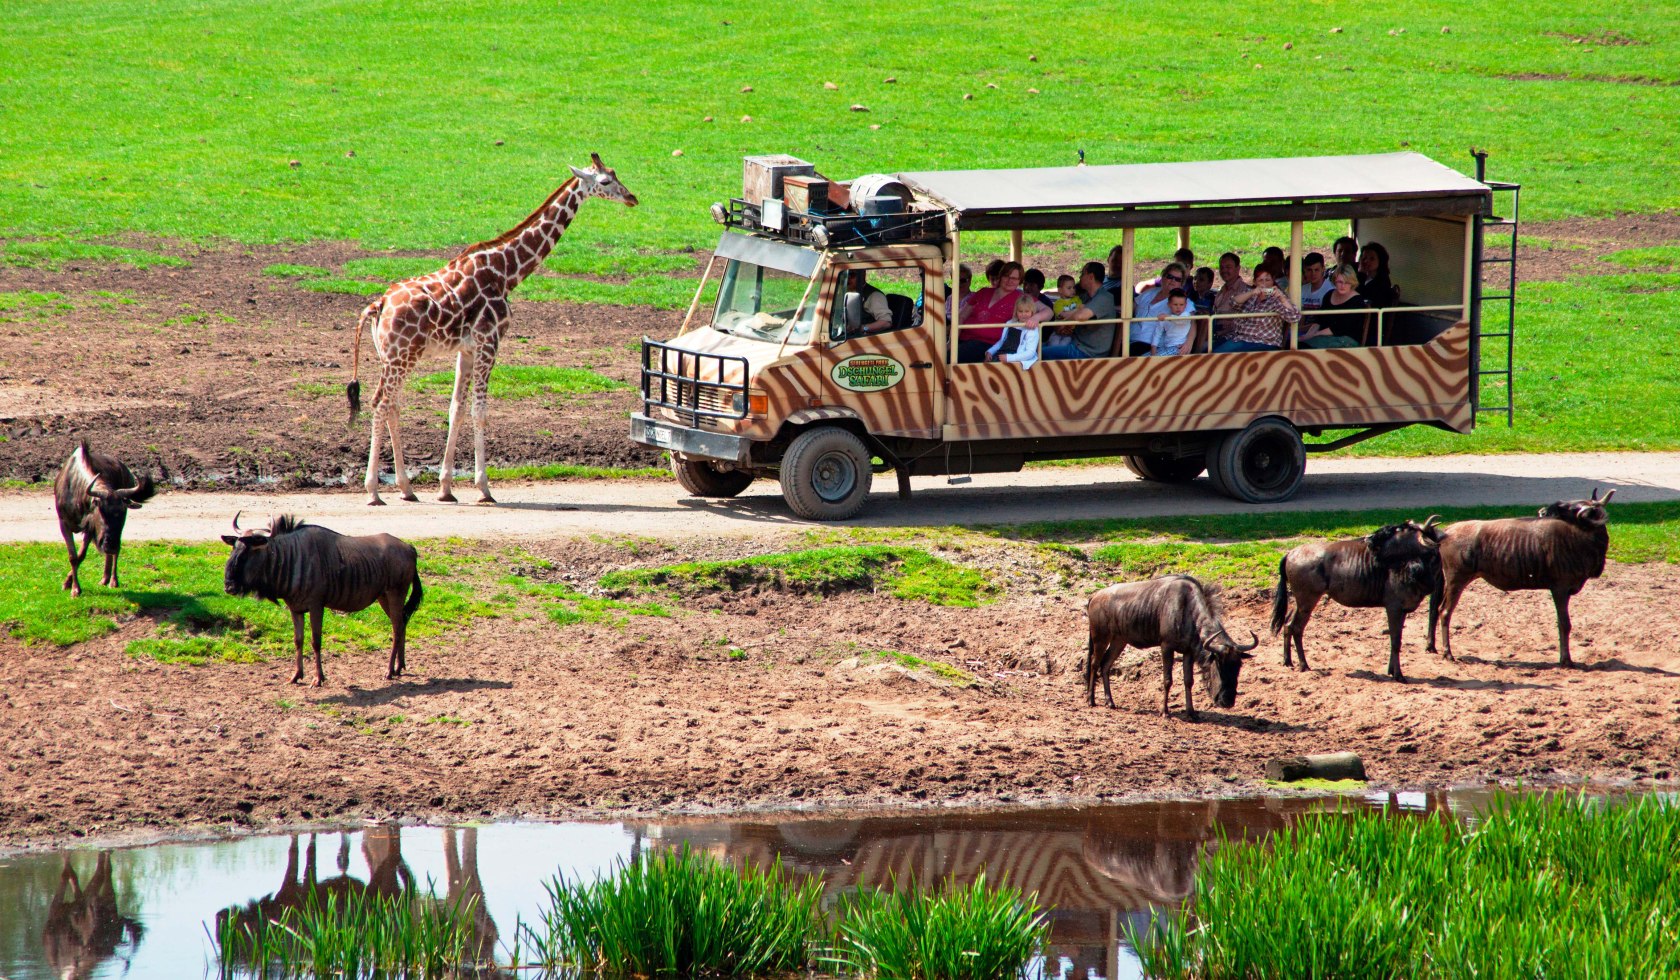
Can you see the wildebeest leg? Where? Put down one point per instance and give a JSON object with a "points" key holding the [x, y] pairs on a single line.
{"points": [[109, 579], [1396, 623], [1434, 615], [1092, 661], [1189, 685], [71, 582], [1449, 601], [1166, 682], [392, 603], [446, 475], [297, 641], [315, 641], [1115, 648], [1560, 599], [484, 358], [1304, 606]]}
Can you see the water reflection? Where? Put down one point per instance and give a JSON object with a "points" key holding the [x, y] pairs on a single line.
{"points": [[84, 926], [1096, 869]]}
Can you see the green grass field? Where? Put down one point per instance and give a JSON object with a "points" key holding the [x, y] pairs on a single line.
{"points": [[272, 122]]}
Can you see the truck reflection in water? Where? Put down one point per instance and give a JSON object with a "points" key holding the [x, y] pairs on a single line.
{"points": [[84, 927], [1094, 870]]}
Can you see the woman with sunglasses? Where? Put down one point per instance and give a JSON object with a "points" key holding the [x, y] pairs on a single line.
{"points": [[1151, 305]]}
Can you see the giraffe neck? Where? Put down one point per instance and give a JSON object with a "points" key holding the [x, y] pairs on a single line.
{"points": [[522, 249]]}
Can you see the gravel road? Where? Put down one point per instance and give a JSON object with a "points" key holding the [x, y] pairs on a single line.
{"points": [[660, 508]]}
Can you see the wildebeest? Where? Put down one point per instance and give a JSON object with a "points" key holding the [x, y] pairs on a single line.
{"points": [[313, 569], [93, 494], [1395, 567], [1175, 613], [1559, 550]]}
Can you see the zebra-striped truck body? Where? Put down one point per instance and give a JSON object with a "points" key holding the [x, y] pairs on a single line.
{"points": [[775, 380], [312, 569]]}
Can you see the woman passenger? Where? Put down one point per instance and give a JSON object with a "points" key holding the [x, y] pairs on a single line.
{"points": [[992, 304], [1344, 329], [1260, 332], [1375, 285]]}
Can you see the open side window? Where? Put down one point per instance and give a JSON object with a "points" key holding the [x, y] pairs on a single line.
{"points": [[876, 300]]}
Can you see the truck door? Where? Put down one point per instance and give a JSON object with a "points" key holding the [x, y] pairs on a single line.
{"points": [[881, 360]]}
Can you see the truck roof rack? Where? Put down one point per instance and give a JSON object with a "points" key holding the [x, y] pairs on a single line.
{"points": [[833, 230]]}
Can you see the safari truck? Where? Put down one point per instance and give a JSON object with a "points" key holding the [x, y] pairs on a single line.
{"points": [[787, 374]]}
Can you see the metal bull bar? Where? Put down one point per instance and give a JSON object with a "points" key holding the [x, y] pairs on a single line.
{"points": [[692, 384]]}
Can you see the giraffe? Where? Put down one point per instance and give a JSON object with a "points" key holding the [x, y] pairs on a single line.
{"points": [[462, 307]]}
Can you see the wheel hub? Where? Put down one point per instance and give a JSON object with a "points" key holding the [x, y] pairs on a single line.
{"points": [[834, 476]]}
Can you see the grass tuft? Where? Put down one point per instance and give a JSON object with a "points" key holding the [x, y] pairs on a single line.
{"points": [[354, 934], [52, 253], [903, 572], [677, 913], [514, 382], [1556, 885], [954, 933]]}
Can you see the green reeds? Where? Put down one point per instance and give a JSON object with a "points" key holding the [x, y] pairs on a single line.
{"points": [[678, 913], [351, 935], [1545, 886], [955, 933]]}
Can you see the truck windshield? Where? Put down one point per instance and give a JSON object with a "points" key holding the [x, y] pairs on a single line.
{"points": [[758, 302]]}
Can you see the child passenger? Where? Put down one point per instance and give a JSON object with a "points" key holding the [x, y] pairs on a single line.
{"points": [[1067, 296], [1172, 334], [1019, 343]]}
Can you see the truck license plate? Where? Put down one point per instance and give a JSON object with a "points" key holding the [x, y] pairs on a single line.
{"points": [[661, 437]]}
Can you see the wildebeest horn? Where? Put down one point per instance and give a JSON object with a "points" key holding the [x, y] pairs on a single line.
{"points": [[236, 520], [1430, 521], [1606, 498], [1254, 641]]}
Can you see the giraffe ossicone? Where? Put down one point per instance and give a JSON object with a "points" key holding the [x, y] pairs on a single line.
{"points": [[462, 307]]}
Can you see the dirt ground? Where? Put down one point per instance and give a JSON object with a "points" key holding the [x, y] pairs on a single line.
{"points": [[217, 375], [760, 699]]}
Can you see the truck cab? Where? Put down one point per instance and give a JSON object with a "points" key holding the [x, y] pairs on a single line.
{"points": [[831, 350]]}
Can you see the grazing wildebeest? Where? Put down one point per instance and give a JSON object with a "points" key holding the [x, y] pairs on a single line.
{"points": [[94, 493], [1559, 550], [1395, 567], [314, 569], [1175, 613]]}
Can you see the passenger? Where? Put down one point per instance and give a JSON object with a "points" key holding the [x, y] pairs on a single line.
{"points": [[1172, 331], [1116, 271], [1374, 282], [866, 307], [1347, 329], [1275, 262], [993, 304], [1067, 297], [1345, 251], [1019, 343], [1201, 292], [1075, 339], [1261, 332], [1313, 283], [1185, 259], [1032, 283], [1153, 304], [994, 272], [1231, 287]]}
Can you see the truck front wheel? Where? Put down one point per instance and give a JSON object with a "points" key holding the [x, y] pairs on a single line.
{"points": [[826, 474], [704, 479]]}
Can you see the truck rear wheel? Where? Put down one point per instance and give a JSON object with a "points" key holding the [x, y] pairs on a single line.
{"points": [[705, 479], [1262, 464], [1160, 468], [826, 474]]}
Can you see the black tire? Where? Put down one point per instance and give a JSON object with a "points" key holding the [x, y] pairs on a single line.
{"points": [[1165, 469], [703, 479], [1262, 464], [826, 474]]}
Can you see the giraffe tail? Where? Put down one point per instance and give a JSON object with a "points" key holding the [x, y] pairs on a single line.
{"points": [[353, 390]]}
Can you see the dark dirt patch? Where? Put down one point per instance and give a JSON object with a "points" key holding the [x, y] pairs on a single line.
{"points": [[219, 374], [1540, 76], [1604, 38], [763, 701], [1549, 251]]}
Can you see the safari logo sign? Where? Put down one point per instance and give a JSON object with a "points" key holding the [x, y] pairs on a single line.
{"points": [[868, 372]]}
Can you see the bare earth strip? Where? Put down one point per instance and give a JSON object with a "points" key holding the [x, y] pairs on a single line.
{"points": [[662, 509]]}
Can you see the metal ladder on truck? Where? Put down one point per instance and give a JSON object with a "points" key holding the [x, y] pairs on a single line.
{"points": [[1494, 376]]}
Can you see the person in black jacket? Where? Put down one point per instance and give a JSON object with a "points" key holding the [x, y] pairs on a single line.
{"points": [[1377, 288]]}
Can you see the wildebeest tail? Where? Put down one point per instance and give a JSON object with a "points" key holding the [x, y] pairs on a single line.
{"points": [[414, 596], [1280, 599], [353, 390]]}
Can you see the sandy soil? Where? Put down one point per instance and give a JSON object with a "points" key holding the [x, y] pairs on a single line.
{"points": [[760, 699]]}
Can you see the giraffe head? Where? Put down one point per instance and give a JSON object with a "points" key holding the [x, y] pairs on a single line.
{"points": [[600, 181]]}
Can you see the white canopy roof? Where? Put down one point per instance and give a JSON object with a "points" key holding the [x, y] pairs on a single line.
{"points": [[1287, 180]]}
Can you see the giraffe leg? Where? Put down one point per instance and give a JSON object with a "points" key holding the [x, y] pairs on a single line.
{"points": [[393, 416], [378, 413], [446, 475], [484, 359]]}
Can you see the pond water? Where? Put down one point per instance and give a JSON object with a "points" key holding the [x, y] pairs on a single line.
{"points": [[147, 912]]}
